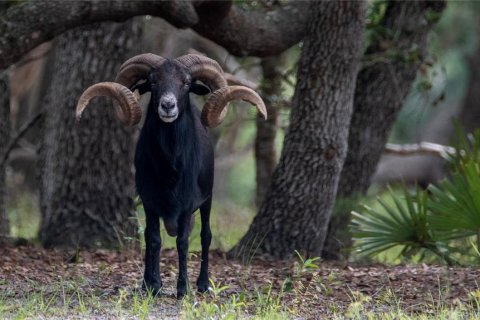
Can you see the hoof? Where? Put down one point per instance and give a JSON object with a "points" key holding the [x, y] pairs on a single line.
{"points": [[203, 286], [153, 289], [181, 294], [182, 288]]}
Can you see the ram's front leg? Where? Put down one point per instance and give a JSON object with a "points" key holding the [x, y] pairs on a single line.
{"points": [[206, 239], [151, 279], [182, 249]]}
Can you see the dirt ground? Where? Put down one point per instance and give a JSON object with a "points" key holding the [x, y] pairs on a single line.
{"points": [[309, 293]]}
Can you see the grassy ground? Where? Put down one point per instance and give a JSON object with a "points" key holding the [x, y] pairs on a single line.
{"points": [[48, 284]]}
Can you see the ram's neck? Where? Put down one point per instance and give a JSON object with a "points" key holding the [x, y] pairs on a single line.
{"points": [[177, 141]]}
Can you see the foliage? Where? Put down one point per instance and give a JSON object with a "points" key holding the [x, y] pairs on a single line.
{"points": [[434, 219], [468, 146], [406, 224], [442, 87], [456, 202], [303, 265]]}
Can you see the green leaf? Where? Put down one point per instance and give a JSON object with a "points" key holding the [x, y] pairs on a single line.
{"points": [[404, 223]]}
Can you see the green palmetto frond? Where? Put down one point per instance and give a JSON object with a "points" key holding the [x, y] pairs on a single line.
{"points": [[404, 223], [455, 203]]}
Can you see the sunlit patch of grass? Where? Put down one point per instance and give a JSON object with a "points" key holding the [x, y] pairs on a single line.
{"points": [[24, 216], [264, 303], [389, 307], [228, 223]]}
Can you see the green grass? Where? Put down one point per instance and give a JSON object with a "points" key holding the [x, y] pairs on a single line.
{"points": [[70, 300], [228, 223], [24, 216]]}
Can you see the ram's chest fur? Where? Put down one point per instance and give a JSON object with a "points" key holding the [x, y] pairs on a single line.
{"points": [[168, 166]]}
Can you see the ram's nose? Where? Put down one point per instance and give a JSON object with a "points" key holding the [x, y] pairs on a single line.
{"points": [[168, 101], [168, 105]]}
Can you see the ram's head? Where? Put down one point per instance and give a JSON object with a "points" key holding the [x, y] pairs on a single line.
{"points": [[170, 81]]}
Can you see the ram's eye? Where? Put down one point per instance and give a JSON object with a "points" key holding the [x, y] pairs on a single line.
{"points": [[187, 83]]}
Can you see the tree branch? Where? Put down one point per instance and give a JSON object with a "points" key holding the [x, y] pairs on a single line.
{"points": [[253, 33], [427, 148], [24, 26], [21, 132], [241, 32], [233, 80]]}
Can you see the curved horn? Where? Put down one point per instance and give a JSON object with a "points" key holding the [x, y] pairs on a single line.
{"points": [[213, 111], [127, 108], [204, 69], [137, 67]]}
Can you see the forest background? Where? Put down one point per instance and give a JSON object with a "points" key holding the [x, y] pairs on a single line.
{"points": [[412, 67]]}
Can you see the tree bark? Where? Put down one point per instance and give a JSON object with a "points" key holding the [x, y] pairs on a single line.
{"points": [[241, 32], [297, 208], [4, 138], [252, 33], [28, 24], [381, 89], [265, 150], [87, 179], [470, 114]]}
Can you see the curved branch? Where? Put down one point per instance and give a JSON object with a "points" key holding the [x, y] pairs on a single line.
{"points": [[253, 33], [427, 148], [24, 26], [241, 32]]}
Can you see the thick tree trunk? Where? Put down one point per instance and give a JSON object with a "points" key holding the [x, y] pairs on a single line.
{"points": [[297, 208], [379, 95], [87, 181], [265, 151], [4, 138]]}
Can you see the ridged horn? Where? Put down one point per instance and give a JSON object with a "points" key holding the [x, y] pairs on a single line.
{"points": [[213, 111], [205, 69], [126, 106], [137, 68]]}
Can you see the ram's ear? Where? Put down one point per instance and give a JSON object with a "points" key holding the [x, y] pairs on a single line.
{"points": [[199, 89], [142, 87]]}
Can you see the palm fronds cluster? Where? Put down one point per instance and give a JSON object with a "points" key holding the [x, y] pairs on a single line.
{"points": [[427, 220]]}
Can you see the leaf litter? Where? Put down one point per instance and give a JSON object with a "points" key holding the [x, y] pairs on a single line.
{"points": [[326, 290]]}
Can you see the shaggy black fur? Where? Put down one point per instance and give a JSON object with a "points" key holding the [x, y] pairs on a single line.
{"points": [[174, 173]]}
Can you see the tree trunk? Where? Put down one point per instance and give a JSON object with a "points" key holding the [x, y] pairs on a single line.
{"points": [[379, 95], [4, 138], [470, 114], [87, 180], [297, 207], [265, 151]]}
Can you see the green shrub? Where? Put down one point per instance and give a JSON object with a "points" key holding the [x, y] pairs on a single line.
{"points": [[439, 220]]}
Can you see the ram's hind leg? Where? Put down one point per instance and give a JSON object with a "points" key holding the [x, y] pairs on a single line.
{"points": [[206, 238], [151, 279]]}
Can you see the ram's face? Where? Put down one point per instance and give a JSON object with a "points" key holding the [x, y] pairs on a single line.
{"points": [[170, 85]]}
